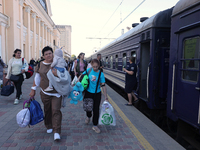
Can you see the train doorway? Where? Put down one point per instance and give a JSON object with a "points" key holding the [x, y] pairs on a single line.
{"points": [[144, 73]]}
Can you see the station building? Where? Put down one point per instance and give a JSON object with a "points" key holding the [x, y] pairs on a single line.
{"points": [[65, 40], [27, 25]]}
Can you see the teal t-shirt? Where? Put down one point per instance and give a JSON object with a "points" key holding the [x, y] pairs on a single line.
{"points": [[93, 78]]}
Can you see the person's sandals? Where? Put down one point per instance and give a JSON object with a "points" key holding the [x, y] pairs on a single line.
{"points": [[96, 129], [128, 104], [135, 101], [87, 120]]}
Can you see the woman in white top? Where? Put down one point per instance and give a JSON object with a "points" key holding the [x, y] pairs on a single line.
{"points": [[17, 69]]}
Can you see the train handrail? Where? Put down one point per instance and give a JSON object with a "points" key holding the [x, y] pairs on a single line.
{"points": [[148, 80], [199, 112], [172, 95]]}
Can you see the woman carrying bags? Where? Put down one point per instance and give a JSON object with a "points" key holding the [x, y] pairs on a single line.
{"points": [[90, 93], [16, 73]]}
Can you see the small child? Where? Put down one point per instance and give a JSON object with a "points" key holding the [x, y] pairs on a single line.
{"points": [[58, 63]]}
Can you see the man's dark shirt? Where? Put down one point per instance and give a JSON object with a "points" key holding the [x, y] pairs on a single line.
{"points": [[100, 66]]}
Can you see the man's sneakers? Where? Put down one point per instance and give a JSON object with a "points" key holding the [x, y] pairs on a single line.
{"points": [[49, 130], [56, 136], [16, 101]]}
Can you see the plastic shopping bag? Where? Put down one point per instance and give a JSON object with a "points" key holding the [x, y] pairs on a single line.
{"points": [[74, 81], [107, 115], [23, 117]]}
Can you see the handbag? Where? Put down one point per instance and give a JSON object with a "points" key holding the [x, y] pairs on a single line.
{"points": [[23, 117], [107, 115], [8, 89], [88, 102], [36, 113], [14, 78]]}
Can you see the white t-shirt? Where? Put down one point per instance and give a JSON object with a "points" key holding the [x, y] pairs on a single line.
{"points": [[16, 66]]}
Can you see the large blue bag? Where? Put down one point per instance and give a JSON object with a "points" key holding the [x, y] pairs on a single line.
{"points": [[36, 113], [8, 89]]}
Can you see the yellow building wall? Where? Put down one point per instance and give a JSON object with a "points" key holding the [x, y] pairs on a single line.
{"points": [[27, 26]]}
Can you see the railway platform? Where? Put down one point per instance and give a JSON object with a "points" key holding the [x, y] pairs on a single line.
{"points": [[133, 130]]}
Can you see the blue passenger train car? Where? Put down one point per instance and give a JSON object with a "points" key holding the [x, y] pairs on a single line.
{"points": [[166, 48], [149, 43], [184, 66]]}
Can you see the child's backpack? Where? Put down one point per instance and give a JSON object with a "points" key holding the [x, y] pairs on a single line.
{"points": [[30, 71], [85, 79], [36, 113]]}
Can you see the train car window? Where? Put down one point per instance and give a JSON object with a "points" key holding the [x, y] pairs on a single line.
{"points": [[148, 35], [111, 62], [124, 60], [107, 62], [190, 60], [116, 62], [133, 54], [104, 62]]}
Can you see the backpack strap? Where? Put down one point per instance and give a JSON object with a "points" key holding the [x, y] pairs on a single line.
{"points": [[98, 81], [22, 61], [88, 71]]}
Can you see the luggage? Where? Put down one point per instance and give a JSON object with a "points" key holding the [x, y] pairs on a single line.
{"points": [[107, 115], [8, 89], [23, 117], [36, 113]]}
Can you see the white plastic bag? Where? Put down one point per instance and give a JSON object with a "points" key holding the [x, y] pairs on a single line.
{"points": [[74, 81], [107, 115], [23, 117]]}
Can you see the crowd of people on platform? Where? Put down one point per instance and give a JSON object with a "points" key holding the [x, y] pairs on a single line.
{"points": [[53, 63]]}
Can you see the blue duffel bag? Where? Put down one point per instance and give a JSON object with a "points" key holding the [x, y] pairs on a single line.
{"points": [[36, 113], [8, 89]]}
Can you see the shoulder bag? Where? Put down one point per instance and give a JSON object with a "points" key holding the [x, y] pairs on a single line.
{"points": [[8, 89]]}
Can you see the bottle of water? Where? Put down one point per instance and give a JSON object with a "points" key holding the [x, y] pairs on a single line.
{"points": [[24, 66]]}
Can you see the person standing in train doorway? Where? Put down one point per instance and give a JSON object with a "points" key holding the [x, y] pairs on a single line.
{"points": [[131, 81], [99, 59]]}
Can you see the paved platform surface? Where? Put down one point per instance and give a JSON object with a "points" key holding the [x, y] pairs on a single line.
{"points": [[132, 132]]}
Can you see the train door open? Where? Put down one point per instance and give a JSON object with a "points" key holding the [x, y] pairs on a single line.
{"points": [[186, 100], [144, 70]]}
